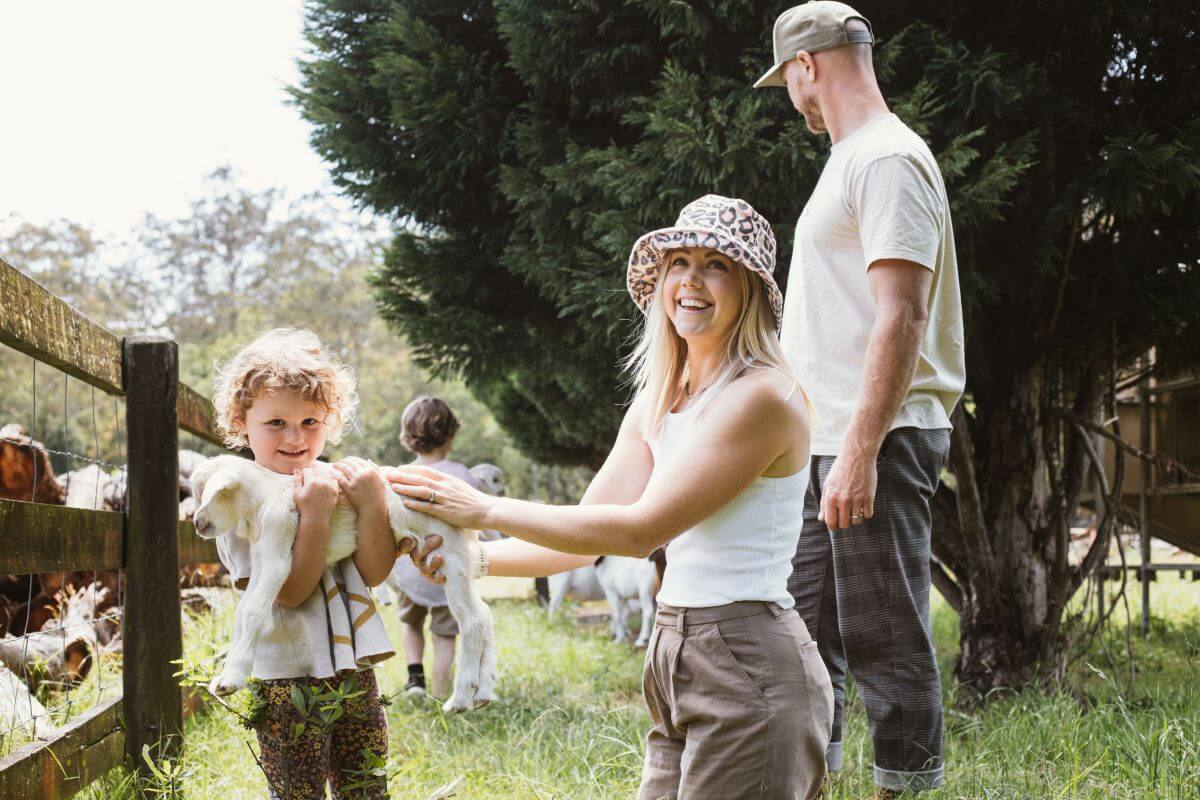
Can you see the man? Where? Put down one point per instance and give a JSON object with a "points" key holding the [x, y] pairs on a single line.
{"points": [[873, 325]]}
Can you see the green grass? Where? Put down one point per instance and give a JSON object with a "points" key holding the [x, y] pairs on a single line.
{"points": [[570, 723]]}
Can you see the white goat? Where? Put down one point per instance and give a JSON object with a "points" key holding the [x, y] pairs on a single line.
{"points": [[490, 479], [241, 498], [581, 584], [625, 581]]}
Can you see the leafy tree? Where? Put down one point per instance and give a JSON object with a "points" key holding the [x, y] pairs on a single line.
{"points": [[524, 144]]}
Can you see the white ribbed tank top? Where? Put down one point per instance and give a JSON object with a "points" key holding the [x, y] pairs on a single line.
{"points": [[742, 552]]}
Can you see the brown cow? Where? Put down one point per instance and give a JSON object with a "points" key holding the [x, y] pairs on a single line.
{"points": [[24, 462]]}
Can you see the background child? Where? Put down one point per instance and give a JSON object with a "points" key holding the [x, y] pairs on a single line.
{"points": [[428, 429], [284, 397]]}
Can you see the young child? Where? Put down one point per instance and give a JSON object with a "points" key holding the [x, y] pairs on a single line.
{"points": [[428, 429], [285, 398]]}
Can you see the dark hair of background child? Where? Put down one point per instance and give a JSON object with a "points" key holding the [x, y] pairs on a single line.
{"points": [[428, 424]]}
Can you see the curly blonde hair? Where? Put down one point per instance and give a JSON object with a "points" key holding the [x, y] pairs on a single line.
{"points": [[284, 359]]}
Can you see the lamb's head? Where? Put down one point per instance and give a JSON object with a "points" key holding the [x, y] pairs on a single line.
{"points": [[222, 487], [490, 479]]}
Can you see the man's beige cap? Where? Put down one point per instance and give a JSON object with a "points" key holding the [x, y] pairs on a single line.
{"points": [[812, 27]]}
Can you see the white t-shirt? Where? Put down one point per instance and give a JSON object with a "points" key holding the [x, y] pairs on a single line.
{"points": [[880, 196]]}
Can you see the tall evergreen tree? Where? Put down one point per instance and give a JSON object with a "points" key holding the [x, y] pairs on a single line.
{"points": [[522, 145]]}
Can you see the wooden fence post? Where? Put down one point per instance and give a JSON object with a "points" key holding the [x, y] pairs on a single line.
{"points": [[152, 626]]}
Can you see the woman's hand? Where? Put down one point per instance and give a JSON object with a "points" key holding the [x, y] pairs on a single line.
{"points": [[362, 484], [440, 495], [315, 494]]}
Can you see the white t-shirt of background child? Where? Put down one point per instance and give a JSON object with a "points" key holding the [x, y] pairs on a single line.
{"points": [[880, 196]]}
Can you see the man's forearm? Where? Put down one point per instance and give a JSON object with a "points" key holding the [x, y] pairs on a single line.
{"points": [[887, 376]]}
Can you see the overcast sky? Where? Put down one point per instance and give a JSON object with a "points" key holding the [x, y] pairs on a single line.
{"points": [[110, 109]]}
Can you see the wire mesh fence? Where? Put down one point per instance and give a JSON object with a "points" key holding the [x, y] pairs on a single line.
{"points": [[60, 645]]}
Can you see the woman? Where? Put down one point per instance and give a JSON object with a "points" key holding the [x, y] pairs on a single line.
{"points": [[711, 457]]}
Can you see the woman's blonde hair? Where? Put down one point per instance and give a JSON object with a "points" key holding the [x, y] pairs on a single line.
{"points": [[284, 359], [658, 362]]}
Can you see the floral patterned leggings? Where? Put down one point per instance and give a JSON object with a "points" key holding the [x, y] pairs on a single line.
{"points": [[298, 763]]}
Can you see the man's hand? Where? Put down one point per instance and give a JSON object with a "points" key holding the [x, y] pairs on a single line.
{"points": [[362, 483], [848, 497], [315, 494]]}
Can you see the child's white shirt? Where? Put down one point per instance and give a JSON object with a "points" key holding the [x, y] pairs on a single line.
{"points": [[337, 628]]}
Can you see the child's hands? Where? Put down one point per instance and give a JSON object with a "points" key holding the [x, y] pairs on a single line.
{"points": [[315, 494], [362, 484]]}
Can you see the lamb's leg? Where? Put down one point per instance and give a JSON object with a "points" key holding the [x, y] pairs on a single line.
{"points": [[271, 563], [487, 667], [253, 610], [475, 675], [559, 584], [220, 685], [646, 595], [474, 625], [617, 606]]}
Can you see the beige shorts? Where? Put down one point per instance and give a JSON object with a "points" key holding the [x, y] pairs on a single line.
{"points": [[741, 703], [441, 621]]}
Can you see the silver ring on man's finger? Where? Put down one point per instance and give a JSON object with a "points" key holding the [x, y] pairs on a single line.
{"points": [[432, 498]]}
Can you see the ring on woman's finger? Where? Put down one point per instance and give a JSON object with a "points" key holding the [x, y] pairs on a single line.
{"points": [[432, 498]]}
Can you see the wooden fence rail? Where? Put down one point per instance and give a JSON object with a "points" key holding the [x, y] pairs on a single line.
{"points": [[148, 541]]}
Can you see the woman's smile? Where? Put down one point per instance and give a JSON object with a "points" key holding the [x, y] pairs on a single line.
{"points": [[693, 305]]}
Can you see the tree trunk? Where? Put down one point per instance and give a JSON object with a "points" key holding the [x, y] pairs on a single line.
{"points": [[1001, 531]]}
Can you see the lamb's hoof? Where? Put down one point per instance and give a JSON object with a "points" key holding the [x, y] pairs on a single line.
{"points": [[223, 686], [480, 702], [455, 705], [641, 645]]}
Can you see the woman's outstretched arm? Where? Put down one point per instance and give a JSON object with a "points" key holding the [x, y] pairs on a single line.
{"points": [[621, 480], [745, 429]]}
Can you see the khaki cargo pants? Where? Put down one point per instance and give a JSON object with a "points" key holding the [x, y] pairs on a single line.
{"points": [[741, 703]]}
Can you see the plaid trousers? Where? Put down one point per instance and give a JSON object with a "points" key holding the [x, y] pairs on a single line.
{"points": [[863, 592]]}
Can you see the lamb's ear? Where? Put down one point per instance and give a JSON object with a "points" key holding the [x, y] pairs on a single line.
{"points": [[217, 512]]}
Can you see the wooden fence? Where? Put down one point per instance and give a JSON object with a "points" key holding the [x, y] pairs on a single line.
{"points": [[146, 540]]}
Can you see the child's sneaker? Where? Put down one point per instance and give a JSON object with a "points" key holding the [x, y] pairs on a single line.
{"points": [[416, 681]]}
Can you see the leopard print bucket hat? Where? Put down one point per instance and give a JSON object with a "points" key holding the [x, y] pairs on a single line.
{"points": [[725, 224]]}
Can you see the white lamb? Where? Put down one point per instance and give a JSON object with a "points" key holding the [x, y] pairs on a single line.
{"points": [[241, 498], [626, 581], [581, 583]]}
